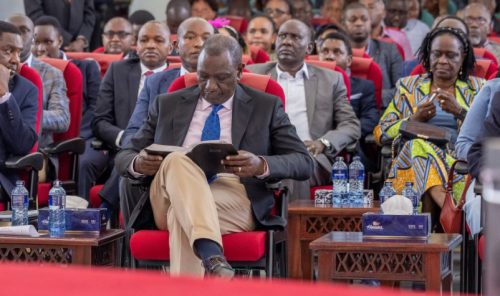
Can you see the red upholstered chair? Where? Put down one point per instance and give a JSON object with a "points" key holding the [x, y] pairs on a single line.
{"points": [[246, 250], [494, 39], [173, 37], [400, 48], [68, 145], [99, 50], [172, 59], [360, 52], [320, 21], [493, 76], [238, 23], [368, 69], [258, 55], [484, 69], [333, 66], [247, 59], [483, 53], [104, 60]]}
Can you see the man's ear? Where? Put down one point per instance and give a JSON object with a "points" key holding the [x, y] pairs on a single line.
{"points": [[61, 40], [175, 45], [349, 60], [240, 71], [310, 47]]}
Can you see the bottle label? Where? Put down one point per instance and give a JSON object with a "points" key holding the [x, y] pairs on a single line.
{"points": [[339, 174], [19, 200], [414, 200], [57, 200], [357, 174]]}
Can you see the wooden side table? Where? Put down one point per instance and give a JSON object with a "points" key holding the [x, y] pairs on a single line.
{"points": [[81, 249], [308, 221], [347, 256]]}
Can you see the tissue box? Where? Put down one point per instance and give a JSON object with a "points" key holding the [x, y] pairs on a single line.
{"points": [[324, 196], [88, 221], [376, 225]]}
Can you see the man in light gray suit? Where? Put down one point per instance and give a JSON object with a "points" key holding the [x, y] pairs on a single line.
{"points": [[316, 102]]}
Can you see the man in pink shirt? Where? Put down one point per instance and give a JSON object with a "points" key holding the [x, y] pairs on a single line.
{"points": [[195, 210]]}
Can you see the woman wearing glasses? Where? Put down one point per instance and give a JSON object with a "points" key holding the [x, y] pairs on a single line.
{"points": [[280, 11]]}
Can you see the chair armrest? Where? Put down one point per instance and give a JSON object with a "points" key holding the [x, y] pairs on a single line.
{"points": [[351, 148], [142, 182], [32, 160], [99, 145], [478, 187], [274, 185], [461, 168], [370, 139], [75, 145], [386, 151]]}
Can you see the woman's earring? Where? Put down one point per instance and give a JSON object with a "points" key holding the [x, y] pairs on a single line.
{"points": [[460, 71]]}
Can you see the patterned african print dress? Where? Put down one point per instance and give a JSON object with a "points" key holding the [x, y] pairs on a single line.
{"points": [[420, 161]]}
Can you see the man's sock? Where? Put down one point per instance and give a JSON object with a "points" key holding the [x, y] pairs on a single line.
{"points": [[207, 248], [109, 209]]}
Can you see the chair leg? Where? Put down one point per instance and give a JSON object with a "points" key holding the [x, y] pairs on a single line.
{"points": [[270, 254], [463, 256]]}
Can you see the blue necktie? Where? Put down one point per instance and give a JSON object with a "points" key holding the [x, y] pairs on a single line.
{"points": [[211, 130]]}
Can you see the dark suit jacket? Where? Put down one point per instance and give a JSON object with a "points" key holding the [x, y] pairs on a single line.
{"points": [[364, 104], [17, 126], [386, 55], [154, 85], [407, 67], [491, 129], [259, 125], [91, 83], [76, 18], [116, 100]]}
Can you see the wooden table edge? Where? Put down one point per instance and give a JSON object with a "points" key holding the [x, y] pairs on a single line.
{"points": [[71, 241]]}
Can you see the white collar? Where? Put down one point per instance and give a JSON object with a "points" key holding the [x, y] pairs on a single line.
{"points": [[64, 57], [145, 69], [183, 71], [228, 104], [29, 60], [303, 70]]}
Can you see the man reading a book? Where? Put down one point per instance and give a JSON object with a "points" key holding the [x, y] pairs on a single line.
{"points": [[197, 210]]}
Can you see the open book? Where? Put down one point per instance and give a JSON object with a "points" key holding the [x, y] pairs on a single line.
{"points": [[207, 154]]}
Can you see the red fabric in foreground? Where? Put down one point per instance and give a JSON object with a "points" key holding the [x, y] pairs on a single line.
{"points": [[481, 248], [78, 281], [244, 246]]}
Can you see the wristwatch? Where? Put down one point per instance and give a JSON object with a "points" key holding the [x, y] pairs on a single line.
{"points": [[462, 113], [327, 143]]}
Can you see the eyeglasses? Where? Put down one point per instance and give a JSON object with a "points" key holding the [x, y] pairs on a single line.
{"points": [[401, 13], [479, 20], [276, 12], [121, 34], [302, 12]]}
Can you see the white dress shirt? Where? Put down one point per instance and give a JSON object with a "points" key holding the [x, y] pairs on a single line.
{"points": [[295, 99], [183, 71], [145, 69], [28, 60]]}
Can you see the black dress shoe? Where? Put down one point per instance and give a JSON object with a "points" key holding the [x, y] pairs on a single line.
{"points": [[217, 266]]}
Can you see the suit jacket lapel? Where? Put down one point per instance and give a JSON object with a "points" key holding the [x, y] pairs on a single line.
{"points": [[242, 111], [134, 79], [274, 74], [183, 116], [311, 88]]}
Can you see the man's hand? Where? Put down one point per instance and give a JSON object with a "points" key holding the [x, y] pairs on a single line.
{"points": [[5, 75], [76, 46], [316, 147], [147, 164], [244, 165], [448, 103]]}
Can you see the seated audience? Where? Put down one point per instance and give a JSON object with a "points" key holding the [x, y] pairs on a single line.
{"points": [[316, 101], [321, 34], [448, 56], [280, 11], [415, 11], [18, 105], [333, 10], [261, 32], [242, 8], [118, 39], [118, 95], [386, 55], [197, 213], [492, 6], [478, 19], [230, 31], [397, 17], [49, 39], [206, 9], [177, 11], [379, 30], [303, 11], [192, 34], [138, 19]]}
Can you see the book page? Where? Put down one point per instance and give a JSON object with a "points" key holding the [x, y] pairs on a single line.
{"points": [[25, 230]]}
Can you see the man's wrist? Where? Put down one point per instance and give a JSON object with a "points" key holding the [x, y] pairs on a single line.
{"points": [[326, 144]]}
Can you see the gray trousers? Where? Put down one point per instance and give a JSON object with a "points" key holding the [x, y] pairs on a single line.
{"points": [[320, 177], [129, 198]]}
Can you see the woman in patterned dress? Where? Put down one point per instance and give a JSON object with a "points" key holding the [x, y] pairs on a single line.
{"points": [[448, 57]]}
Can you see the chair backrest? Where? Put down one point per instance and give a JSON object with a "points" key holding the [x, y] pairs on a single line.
{"points": [[263, 83], [173, 37], [400, 48], [494, 39], [32, 75], [360, 52], [333, 66], [320, 21], [368, 69], [484, 69], [99, 50], [238, 23], [258, 55], [483, 53], [493, 76], [104, 60], [174, 59], [247, 59], [74, 84]]}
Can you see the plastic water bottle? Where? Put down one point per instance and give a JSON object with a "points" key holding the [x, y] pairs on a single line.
{"points": [[57, 204], [356, 181], [339, 178], [412, 194], [19, 198], [387, 192]]}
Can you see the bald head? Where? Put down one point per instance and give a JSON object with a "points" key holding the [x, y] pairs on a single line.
{"points": [[301, 26], [293, 44], [195, 22], [478, 18], [191, 36], [117, 37], [476, 7], [153, 45], [177, 12], [25, 25]]}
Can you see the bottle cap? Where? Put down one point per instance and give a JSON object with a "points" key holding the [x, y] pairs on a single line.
{"points": [[409, 184], [339, 158], [57, 183], [356, 158], [20, 183], [388, 183]]}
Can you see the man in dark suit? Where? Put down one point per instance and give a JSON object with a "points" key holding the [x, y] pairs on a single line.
{"points": [[316, 101], [119, 92], [195, 212], [18, 105], [384, 54], [76, 18], [49, 34]]}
